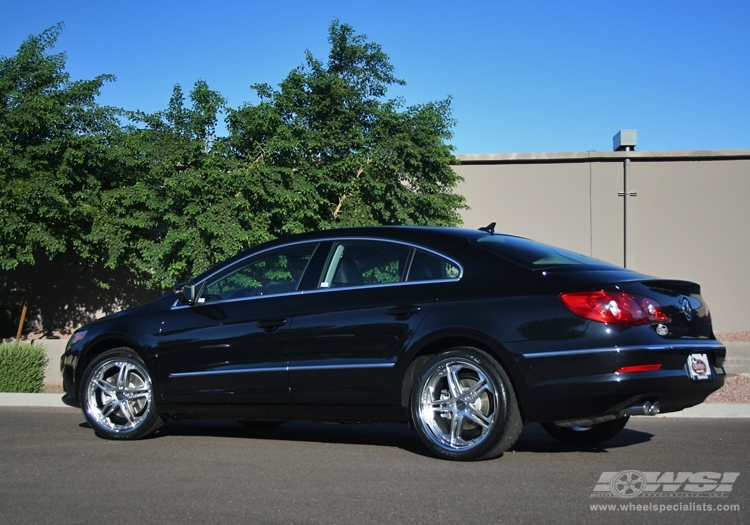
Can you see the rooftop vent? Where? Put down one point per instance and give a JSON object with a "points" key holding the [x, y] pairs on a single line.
{"points": [[624, 140]]}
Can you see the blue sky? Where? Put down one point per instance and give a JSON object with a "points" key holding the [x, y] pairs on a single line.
{"points": [[524, 76]]}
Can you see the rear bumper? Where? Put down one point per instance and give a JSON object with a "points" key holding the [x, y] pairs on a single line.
{"points": [[584, 383]]}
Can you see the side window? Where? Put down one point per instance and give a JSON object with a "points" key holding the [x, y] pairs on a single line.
{"points": [[427, 266], [361, 263], [270, 273]]}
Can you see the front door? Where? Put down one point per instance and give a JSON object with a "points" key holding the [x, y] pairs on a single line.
{"points": [[231, 346]]}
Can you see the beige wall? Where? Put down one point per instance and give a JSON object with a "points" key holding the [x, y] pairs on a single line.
{"points": [[690, 218]]}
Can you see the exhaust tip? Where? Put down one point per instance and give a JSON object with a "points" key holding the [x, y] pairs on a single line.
{"points": [[646, 409]]}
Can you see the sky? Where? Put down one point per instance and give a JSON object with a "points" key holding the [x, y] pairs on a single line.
{"points": [[524, 76]]}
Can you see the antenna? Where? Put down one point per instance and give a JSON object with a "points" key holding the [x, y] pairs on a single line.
{"points": [[490, 228]]}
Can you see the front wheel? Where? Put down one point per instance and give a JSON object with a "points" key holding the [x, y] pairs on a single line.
{"points": [[117, 396], [586, 436], [463, 406]]}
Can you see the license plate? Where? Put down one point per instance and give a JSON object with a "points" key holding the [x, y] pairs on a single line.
{"points": [[698, 367]]}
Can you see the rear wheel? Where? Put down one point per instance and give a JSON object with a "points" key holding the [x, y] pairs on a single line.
{"points": [[586, 436], [117, 396], [463, 406]]}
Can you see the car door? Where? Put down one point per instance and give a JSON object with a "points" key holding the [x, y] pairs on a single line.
{"points": [[347, 334], [230, 346]]}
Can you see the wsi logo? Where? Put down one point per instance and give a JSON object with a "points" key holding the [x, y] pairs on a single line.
{"points": [[634, 483]]}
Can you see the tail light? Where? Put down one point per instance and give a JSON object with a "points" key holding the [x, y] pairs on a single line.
{"points": [[638, 368], [614, 307]]}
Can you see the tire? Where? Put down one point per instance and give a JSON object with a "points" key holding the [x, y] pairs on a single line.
{"points": [[117, 396], [463, 406], [586, 436]]}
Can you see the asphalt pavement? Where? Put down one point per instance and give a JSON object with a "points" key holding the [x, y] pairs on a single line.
{"points": [[53, 469]]}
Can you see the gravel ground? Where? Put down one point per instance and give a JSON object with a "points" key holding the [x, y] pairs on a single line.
{"points": [[733, 337], [736, 389]]}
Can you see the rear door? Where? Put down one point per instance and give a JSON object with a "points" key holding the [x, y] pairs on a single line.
{"points": [[348, 333]]}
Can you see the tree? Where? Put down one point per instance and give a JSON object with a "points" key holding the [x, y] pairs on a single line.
{"points": [[184, 202], [54, 153], [334, 152]]}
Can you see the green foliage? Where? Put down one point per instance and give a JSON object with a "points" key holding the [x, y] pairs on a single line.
{"points": [[184, 202], [53, 153], [386, 273], [22, 367]]}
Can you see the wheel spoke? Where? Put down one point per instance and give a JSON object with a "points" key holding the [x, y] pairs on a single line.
{"points": [[475, 390], [105, 386], [109, 407], [455, 435], [454, 385], [127, 411], [122, 377], [134, 395], [477, 417]]}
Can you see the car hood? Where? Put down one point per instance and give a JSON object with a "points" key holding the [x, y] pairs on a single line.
{"points": [[163, 303]]}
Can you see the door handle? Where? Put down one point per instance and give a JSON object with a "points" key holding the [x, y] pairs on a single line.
{"points": [[403, 312], [271, 325]]}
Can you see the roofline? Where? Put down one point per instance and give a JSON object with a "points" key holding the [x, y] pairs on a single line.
{"points": [[601, 156]]}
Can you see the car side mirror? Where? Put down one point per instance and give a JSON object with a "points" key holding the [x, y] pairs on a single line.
{"points": [[185, 292]]}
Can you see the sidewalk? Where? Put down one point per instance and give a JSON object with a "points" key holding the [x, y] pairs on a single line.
{"points": [[13, 399], [704, 410]]}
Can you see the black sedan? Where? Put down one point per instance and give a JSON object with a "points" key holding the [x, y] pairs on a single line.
{"points": [[467, 335]]}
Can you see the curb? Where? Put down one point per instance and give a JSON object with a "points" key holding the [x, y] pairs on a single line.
{"points": [[704, 410], [14, 399]]}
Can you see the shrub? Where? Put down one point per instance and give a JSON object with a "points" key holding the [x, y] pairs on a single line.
{"points": [[22, 367]]}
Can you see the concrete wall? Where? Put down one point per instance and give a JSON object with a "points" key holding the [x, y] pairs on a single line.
{"points": [[690, 219], [62, 298]]}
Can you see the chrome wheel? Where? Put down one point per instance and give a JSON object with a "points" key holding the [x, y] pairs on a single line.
{"points": [[458, 405], [463, 406], [118, 396]]}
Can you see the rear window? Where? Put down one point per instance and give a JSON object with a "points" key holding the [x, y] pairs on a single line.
{"points": [[533, 255]]}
